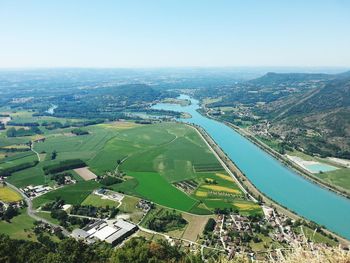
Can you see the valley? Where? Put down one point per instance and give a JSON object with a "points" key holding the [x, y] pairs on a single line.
{"points": [[166, 168]]}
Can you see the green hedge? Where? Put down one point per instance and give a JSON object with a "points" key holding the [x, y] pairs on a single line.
{"points": [[63, 166], [19, 167]]}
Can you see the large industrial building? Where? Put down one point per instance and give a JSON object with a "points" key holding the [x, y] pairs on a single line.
{"points": [[112, 232]]}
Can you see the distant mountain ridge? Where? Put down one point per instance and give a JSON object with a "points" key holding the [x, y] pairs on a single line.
{"points": [[272, 78], [335, 94], [324, 110]]}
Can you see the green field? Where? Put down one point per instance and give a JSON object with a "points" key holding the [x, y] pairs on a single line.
{"points": [[31, 176], [154, 158], [19, 227], [169, 149], [47, 216], [340, 177], [157, 156], [4, 141], [71, 147], [156, 188], [67, 147], [17, 159], [129, 204], [97, 201], [72, 194]]}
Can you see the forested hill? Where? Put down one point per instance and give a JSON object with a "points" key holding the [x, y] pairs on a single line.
{"points": [[310, 111], [272, 78], [324, 110], [334, 95]]}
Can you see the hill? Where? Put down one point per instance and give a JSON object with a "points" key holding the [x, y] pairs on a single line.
{"points": [[307, 111], [334, 95], [323, 112], [272, 78]]}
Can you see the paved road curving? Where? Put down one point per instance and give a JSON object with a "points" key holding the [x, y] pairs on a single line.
{"points": [[31, 212]]}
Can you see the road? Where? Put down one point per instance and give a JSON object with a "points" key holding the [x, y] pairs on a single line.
{"points": [[31, 212], [34, 151]]}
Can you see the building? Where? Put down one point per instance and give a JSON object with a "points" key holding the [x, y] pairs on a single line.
{"points": [[112, 232]]}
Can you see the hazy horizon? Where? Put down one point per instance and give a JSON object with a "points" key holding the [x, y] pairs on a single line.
{"points": [[174, 34]]}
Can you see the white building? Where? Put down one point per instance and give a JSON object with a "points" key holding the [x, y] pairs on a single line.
{"points": [[110, 232]]}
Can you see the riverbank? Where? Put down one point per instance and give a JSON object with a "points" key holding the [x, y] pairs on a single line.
{"points": [[277, 181], [281, 158], [249, 188], [290, 164]]}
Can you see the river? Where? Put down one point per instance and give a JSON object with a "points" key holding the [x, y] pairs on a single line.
{"points": [[270, 176]]}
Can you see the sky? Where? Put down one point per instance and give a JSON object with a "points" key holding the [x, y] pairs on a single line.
{"points": [[174, 33]]}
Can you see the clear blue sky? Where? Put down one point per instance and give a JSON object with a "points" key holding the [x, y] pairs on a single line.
{"points": [[157, 33]]}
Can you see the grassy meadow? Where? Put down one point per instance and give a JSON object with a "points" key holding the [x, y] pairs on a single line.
{"points": [[20, 226], [97, 201]]}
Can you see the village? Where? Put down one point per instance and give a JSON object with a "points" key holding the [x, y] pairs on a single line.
{"points": [[235, 234]]}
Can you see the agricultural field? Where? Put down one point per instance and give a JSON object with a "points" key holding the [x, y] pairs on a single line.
{"points": [[156, 188], [218, 190], [157, 159], [195, 226], [66, 146], [163, 155], [339, 177], [8, 195], [72, 194], [23, 116], [19, 227], [17, 159], [69, 146], [97, 201]]}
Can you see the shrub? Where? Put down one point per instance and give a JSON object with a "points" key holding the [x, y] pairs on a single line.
{"points": [[109, 180]]}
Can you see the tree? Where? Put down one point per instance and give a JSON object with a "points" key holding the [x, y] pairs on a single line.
{"points": [[60, 215], [11, 132], [10, 213], [114, 212], [210, 225], [53, 155], [46, 241]]}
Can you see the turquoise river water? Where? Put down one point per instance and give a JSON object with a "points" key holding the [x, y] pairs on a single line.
{"points": [[271, 177]]}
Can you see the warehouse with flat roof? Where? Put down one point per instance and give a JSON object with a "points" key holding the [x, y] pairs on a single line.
{"points": [[110, 232]]}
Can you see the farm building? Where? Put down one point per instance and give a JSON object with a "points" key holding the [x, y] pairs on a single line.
{"points": [[110, 232]]}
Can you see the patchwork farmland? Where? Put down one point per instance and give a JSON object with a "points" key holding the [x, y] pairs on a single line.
{"points": [[166, 163], [159, 158]]}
